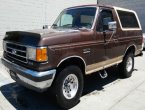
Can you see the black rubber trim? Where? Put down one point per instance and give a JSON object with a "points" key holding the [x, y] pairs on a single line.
{"points": [[36, 79]]}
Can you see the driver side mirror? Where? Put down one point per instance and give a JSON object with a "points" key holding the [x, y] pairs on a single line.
{"points": [[112, 25]]}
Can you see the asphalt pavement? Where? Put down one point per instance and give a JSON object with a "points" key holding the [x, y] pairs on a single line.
{"points": [[112, 93]]}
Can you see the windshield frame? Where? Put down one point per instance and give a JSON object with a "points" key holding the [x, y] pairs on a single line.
{"points": [[94, 20]]}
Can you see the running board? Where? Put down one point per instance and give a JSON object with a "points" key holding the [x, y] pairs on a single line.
{"points": [[103, 74]]}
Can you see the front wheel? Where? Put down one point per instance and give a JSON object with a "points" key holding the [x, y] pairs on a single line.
{"points": [[69, 86], [127, 66]]}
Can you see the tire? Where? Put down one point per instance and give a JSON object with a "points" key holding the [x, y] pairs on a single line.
{"points": [[68, 96], [127, 66]]}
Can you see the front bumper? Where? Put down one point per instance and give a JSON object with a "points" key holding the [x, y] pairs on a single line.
{"points": [[38, 81]]}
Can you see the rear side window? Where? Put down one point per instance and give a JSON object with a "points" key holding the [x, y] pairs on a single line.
{"points": [[128, 19]]}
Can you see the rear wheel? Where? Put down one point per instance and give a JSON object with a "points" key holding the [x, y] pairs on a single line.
{"points": [[69, 86], [127, 66]]}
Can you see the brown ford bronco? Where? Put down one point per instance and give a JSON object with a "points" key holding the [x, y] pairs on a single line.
{"points": [[82, 40]]}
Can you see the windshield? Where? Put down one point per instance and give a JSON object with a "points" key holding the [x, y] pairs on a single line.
{"points": [[76, 18]]}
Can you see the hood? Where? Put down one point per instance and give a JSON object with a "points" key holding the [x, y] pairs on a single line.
{"points": [[38, 37], [58, 36], [52, 32]]}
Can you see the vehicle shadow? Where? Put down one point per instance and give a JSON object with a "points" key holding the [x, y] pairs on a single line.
{"points": [[25, 99], [95, 82]]}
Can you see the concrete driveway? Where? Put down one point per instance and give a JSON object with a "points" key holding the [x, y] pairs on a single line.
{"points": [[112, 93]]}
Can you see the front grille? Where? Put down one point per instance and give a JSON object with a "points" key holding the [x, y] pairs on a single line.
{"points": [[16, 52]]}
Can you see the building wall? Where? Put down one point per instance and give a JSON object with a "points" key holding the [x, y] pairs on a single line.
{"points": [[137, 5], [32, 14]]}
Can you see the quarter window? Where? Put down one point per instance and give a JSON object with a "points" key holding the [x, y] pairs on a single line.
{"points": [[128, 19]]}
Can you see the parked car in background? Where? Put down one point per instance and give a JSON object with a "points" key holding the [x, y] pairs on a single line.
{"points": [[82, 40]]}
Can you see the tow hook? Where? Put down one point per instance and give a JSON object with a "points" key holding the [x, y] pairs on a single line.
{"points": [[103, 74]]}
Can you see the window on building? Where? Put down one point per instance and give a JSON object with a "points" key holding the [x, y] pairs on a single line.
{"points": [[128, 19]]}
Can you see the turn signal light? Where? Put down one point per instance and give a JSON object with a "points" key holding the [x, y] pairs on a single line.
{"points": [[41, 54]]}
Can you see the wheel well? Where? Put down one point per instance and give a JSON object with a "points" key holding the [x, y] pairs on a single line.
{"points": [[131, 49], [68, 62], [72, 61]]}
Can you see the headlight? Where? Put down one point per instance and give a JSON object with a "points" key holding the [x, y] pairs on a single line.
{"points": [[31, 53], [37, 54]]}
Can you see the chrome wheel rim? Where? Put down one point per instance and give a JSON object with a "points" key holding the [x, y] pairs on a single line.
{"points": [[70, 86], [129, 64]]}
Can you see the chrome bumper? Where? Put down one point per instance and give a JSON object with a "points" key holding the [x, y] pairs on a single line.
{"points": [[38, 81]]}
